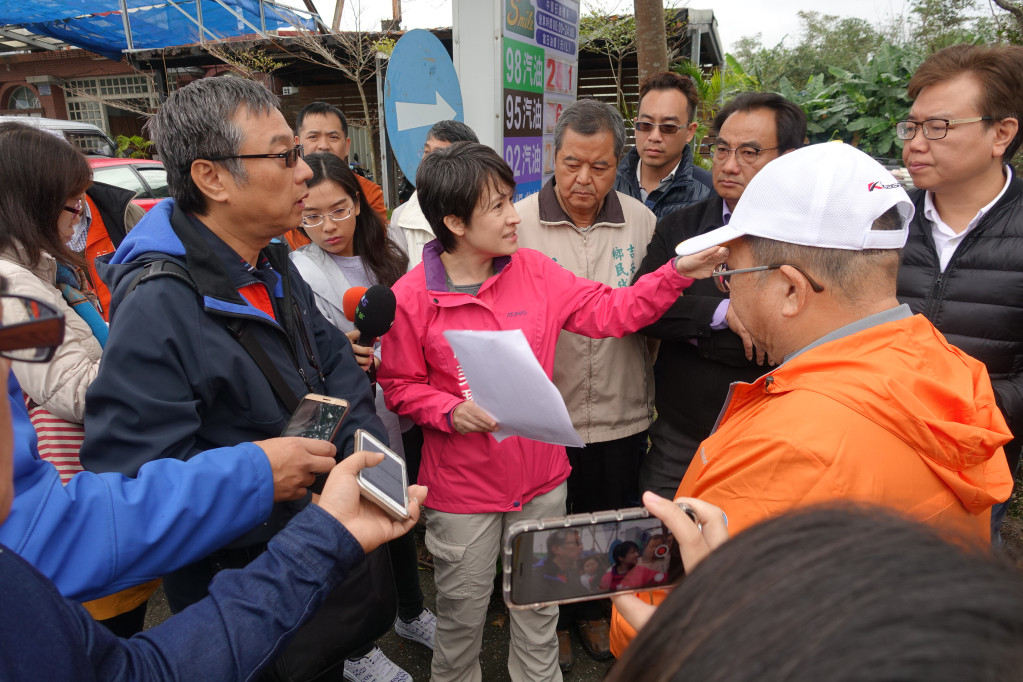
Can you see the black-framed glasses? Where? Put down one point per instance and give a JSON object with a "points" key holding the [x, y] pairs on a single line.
{"points": [[337, 215], [934, 128], [77, 209], [31, 330], [722, 274], [647, 126], [746, 155], [290, 157]]}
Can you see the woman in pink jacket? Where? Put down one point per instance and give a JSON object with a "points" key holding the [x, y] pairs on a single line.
{"points": [[473, 276]]}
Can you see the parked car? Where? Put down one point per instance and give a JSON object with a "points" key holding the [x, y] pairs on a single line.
{"points": [[92, 141], [146, 178]]}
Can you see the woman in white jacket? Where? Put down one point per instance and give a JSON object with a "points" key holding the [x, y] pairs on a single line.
{"points": [[351, 248]]}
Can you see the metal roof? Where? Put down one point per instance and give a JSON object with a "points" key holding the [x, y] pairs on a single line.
{"points": [[110, 27]]}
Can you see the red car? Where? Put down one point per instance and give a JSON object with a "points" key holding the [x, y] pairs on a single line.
{"points": [[146, 178]]}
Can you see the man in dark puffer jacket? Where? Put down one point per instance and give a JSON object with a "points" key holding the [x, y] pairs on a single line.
{"points": [[963, 264]]}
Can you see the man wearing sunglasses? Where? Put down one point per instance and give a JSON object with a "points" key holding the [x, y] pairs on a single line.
{"points": [[659, 170], [217, 352], [869, 402], [702, 341], [963, 263]]}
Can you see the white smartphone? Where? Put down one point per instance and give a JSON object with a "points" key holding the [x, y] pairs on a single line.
{"points": [[317, 416], [386, 484]]}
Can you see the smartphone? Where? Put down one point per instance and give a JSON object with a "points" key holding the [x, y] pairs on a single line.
{"points": [[317, 416], [588, 556], [386, 484]]}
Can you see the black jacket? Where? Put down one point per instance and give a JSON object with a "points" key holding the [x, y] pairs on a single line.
{"points": [[691, 382], [977, 302], [685, 189]]}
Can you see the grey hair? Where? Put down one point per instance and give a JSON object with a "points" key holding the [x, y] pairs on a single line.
{"points": [[452, 131], [195, 123], [853, 276], [589, 117]]}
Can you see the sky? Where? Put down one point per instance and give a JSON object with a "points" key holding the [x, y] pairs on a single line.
{"points": [[736, 18]]}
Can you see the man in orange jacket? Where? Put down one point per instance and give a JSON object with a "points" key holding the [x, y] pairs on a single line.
{"points": [[869, 402]]}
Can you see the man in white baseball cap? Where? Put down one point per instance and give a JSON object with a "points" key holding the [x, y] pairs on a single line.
{"points": [[869, 402]]}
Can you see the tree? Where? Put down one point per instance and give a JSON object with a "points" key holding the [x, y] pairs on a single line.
{"points": [[652, 51], [357, 55], [715, 90], [603, 32]]}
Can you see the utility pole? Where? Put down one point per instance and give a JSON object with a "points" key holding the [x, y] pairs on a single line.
{"points": [[396, 11], [651, 41], [334, 25]]}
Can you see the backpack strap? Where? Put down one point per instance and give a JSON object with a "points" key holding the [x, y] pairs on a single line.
{"points": [[238, 328]]}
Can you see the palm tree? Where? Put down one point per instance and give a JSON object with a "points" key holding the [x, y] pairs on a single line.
{"points": [[714, 90]]}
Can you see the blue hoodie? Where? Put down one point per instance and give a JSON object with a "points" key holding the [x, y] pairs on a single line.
{"points": [[103, 533], [175, 381]]}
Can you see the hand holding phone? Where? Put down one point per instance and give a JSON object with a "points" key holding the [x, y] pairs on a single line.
{"points": [[588, 556], [386, 484], [705, 529], [366, 521]]}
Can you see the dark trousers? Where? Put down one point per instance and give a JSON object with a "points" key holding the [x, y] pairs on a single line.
{"points": [[604, 476], [671, 451]]}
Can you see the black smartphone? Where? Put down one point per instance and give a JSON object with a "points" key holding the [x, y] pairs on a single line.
{"points": [[386, 484], [588, 556], [317, 416]]}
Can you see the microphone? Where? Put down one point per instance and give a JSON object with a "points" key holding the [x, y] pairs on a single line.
{"points": [[374, 315], [350, 300]]}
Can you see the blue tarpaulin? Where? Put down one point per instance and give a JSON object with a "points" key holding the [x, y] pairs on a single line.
{"points": [[97, 25]]}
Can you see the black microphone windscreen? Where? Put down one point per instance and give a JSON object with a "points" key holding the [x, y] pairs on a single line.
{"points": [[375, 313]]}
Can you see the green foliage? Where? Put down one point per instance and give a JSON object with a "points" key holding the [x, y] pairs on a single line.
{"points": [[851, 78], [715, 89], [134, 147], [860, 106]]}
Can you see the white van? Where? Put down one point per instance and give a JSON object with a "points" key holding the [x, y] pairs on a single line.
{"points": [[88, 138]]}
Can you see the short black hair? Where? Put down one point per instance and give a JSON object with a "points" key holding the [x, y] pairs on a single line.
{"points": [[452, 181], [789, 118], [452, 131], [321, 108]]}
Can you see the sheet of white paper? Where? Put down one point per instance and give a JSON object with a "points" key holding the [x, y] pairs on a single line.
{"points": [[508, 382]]}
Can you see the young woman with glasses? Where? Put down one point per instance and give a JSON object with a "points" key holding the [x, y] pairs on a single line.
{"points": [[351, 248], [43, 180]]}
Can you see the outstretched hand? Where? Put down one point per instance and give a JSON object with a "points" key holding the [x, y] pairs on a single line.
{"points": [[701, 265], [366, 521]]}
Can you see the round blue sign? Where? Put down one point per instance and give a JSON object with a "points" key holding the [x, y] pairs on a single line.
{"points": [[420, 89]]}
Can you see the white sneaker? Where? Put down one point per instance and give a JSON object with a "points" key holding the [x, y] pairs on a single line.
{"points": [[419, 630], [374, 667]]}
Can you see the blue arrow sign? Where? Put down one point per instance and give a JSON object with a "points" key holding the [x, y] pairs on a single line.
{"points": [[420, 89]]}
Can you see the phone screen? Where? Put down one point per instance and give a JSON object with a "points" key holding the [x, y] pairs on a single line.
{"points": [[589, 561], [316, 419], [389, 476]]}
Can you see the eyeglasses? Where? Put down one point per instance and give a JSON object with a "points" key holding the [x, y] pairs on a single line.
{"points": [[746, 155], [722, 274], [647, 126], [77, 210], [316, 219], [290, 157], [934, 128], [31, 330]]}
